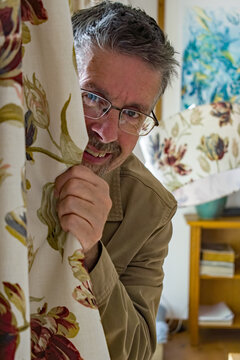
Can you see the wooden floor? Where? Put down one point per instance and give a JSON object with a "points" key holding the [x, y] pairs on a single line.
{"points": [[215, 344]]}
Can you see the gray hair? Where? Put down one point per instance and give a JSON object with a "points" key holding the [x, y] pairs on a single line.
{"points": [[127, 30]]}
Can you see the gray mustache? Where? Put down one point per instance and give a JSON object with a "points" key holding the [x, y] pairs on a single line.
{"points": [[112, 147]]}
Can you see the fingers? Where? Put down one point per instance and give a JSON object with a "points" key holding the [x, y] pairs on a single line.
{"points": [[83, 204], [78, 188], [82, 230], [93, 214], [78, 172]]}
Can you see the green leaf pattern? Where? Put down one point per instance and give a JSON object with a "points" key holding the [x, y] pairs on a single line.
{"points": [[67, 151], [3, 171], [47, 214], [13, 113]]}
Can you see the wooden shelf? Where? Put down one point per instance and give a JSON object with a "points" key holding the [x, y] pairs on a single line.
{"points": [[220, 223], [235, 277], [235, 325], [207, 289]]}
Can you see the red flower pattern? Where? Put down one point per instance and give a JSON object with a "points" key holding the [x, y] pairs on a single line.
{"points": [[84, 295], [222, 110], [33, 11], [49, 334], [10, 50], [9, 334], [172, 157]]}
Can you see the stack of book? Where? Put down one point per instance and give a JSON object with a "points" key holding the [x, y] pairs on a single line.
{"points": [[217, 260], [218, 315]]}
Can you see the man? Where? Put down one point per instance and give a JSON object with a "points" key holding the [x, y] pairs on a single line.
{"points": [[117, 210]]}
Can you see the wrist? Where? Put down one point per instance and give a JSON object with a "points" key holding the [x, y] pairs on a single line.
{"points": [[92, 256]]}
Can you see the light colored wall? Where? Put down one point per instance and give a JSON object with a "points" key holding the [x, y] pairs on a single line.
{"points": [[150, 7], [176, 266]]}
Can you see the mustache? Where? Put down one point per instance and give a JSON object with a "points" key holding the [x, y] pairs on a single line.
{"points": [[112, 147]]}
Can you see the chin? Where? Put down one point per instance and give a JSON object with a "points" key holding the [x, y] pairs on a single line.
{"points": [[101, 170]]}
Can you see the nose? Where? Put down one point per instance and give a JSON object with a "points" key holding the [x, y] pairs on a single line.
{"points": [[107, 126]]}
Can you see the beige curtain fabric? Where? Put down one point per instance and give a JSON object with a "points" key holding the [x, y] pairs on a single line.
{"points": [[47, 308], [82, 4]]}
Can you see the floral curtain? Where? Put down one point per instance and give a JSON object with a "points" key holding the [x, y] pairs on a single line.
{"points": [[47, 308]]}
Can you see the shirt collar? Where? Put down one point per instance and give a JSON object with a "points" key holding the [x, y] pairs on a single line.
{"points": [[113, 180]]}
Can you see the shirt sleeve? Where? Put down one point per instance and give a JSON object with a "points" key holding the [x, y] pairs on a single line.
{"points": [[128, 302]]}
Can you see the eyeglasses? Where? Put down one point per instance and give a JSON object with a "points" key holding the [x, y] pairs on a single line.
{"points": [[130, 121]]}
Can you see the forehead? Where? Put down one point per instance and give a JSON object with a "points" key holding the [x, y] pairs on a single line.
{"points": [[122, 78]]}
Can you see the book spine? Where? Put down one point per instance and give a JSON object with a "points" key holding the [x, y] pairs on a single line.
{"points": [[215, 256], [216, 272], [223, 264]]}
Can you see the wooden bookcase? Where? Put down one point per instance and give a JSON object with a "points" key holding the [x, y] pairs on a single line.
{"points": [[208, 290]]}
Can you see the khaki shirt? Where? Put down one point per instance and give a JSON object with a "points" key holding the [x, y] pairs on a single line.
{"points": [[127, 280]]}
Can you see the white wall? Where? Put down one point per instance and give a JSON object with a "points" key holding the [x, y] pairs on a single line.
{"points": [[176, 266], [151, 8]]}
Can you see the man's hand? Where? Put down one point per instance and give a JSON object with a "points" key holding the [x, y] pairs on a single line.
{"points": [[83, 207]]}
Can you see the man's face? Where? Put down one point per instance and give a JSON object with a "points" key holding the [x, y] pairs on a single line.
{"points": [[127, 82]]}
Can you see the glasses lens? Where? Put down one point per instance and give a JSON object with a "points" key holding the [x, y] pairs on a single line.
{"points": [[94, 106], [135, 123], [148, 125]]}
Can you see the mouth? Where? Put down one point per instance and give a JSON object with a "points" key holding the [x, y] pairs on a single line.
{"points": [[96, 153], [96, 156]]}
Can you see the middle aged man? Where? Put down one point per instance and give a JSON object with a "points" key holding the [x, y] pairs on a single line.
{"points": [[117, 210]]}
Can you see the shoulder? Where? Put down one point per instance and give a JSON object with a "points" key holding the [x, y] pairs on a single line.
{"points": [[138, 182]]}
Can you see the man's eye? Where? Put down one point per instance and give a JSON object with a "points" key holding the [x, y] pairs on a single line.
{"points": [[132, 114], [91, 97]]}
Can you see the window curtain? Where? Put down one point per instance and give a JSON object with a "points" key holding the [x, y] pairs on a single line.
{"points": [[47, 307]]}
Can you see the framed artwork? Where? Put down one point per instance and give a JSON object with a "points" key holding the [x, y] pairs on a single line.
{"points": [[210, 52]]}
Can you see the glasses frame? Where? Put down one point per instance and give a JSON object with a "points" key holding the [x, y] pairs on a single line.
{"points": [[111, 106]]}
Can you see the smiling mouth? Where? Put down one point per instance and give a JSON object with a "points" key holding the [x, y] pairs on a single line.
{"points": [[97, 157], [96, 153]]}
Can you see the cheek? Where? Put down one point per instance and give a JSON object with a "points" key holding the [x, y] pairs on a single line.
{"points": [[127, 143], [87, 122]]}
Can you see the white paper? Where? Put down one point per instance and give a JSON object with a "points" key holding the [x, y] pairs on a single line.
{"points": [[217, 312]]}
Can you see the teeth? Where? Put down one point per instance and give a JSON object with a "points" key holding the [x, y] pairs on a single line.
{"points": [[96, 154]]}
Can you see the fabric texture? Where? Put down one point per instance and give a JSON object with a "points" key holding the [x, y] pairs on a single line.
{"points": [[127, 280], [195, 153], [47, 306]]}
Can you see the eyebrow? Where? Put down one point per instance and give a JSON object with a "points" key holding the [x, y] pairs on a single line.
{"points": [[91, 86]]}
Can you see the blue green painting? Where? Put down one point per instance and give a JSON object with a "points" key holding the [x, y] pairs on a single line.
{"points": [[211, 56]]}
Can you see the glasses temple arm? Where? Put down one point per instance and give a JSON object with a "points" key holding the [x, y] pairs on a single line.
{"points": [[155, 118]]}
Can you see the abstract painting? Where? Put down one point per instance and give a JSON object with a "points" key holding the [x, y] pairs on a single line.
{"points": [[211, 55]]}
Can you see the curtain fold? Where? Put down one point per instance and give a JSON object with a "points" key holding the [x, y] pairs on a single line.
{"points": [[47, 308]]}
